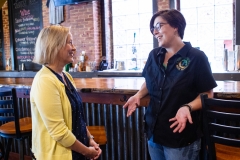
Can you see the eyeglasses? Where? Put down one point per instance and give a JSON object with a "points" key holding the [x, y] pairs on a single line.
{"points": [[157, 27]]}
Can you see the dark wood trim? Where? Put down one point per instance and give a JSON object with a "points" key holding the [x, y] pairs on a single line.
{"points": [[155, 9], [15, 156], [174, 4], [102, 16], [237, 22], [177, 5], [2, 42], [110, 98]]}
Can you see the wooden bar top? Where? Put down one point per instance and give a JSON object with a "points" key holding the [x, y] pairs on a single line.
{"points": [[127, 85]]}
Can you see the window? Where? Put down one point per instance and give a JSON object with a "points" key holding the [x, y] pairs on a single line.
{"points": [[210, 26], [132, 39]]}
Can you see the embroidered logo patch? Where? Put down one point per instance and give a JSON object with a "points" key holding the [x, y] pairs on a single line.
{"points": [[182, 63]]}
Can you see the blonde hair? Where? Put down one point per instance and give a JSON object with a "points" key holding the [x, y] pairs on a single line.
{"points": [[50, 40]]}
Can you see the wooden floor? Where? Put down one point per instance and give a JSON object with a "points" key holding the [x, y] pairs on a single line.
{"points": [[227, 152], [223, 153]]}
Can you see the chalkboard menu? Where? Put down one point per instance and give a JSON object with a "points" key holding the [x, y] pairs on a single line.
{"points": [[27, 23]]}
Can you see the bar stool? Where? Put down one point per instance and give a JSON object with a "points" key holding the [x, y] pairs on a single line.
{"points": [[2, 150], [99, 134], [220, 119], [13, 127]]}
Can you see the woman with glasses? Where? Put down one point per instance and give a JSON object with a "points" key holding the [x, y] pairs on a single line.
{"points": [[175, 76], [58, 123]]}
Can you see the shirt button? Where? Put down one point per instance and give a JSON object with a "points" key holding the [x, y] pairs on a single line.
{"points": [[160, 89], [159, 101]]}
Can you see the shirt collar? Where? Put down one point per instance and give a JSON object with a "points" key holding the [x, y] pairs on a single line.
{"points": [[183, 51]]}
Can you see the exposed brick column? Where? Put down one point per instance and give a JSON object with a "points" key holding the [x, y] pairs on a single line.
{"points": [[6, 32], [108, 31], [163, 4], [45, 13], [97, 32]]}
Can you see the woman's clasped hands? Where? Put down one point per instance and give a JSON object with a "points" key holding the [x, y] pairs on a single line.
{"points": [[95, 150]]}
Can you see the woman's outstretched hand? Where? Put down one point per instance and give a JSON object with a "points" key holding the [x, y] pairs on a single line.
{"points": [[132, 103], [180, 120]]}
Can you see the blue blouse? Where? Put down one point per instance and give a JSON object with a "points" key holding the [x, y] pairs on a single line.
{"points": [[78, 117]]}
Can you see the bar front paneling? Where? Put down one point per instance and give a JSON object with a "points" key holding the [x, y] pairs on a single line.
{"points": [[125, 137]]}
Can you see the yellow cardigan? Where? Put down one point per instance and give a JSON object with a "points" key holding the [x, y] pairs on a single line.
{"points": [[51, 117]]}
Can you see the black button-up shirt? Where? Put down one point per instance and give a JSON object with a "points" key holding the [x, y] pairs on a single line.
{"points": [[187, 74]]}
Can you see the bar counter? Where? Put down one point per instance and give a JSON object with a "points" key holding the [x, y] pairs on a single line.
{"points": [[103, 99], [218, 76], [125, 85]]}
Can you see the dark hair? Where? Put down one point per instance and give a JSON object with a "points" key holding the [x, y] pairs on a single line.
{"points": [[173, 17]]}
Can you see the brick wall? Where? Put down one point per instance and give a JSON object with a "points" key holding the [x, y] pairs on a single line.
{"points": [[163, 4], [85, 22], [6, 31], [85, 27], [45, 13]]}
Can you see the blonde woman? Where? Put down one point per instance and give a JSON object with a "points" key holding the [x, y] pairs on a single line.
{"points": [[58, 123]]}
